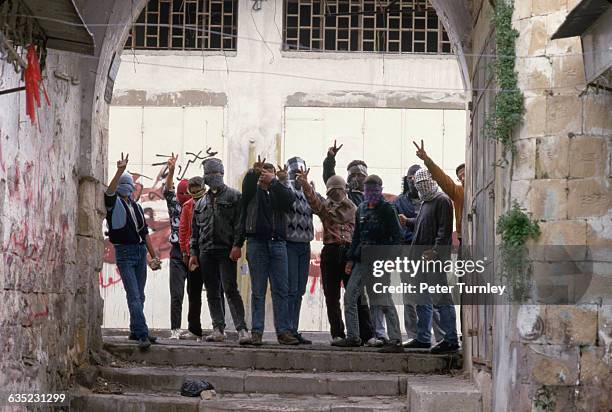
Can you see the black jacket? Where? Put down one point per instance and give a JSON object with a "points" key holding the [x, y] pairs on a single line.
{"points": [[409, 208], [376, 226], [128, 234], [263, 211], [216, 221], [329, 170], [434, 225]]}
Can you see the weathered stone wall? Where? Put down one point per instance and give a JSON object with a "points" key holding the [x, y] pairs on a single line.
{"points": [[52, 179], [45, 294], [561, 174]]}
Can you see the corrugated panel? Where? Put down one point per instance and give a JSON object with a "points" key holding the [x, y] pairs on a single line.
{"points": [[63, 25]]}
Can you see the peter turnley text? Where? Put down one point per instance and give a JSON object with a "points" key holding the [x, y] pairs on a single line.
{"points": [[423, 287]]}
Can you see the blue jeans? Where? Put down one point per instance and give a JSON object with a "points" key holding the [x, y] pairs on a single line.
{"points": [[132, 263], [268, 260], [298, 263], [378, 319], [352, 291]]}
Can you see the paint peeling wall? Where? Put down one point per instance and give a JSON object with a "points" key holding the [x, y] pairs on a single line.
{"points": [[40, 282]]}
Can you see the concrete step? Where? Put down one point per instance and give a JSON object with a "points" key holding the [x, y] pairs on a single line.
{"points": [[442, 393], [141, 402], [312, 358], [249, 381]]}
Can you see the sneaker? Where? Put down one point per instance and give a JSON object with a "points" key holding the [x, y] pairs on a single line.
{"points": [[216, 336], [193, 335], [287, 338], [391, 348], [302, 340], [256, 338], [374, 343], [347, 343], [445, 347], [243, 337], [152, 339], [175, 334], [336, 339], [144, 344], [415, 344]]}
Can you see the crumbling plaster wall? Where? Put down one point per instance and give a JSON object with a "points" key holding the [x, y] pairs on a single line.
{"points": [[51, 184]]}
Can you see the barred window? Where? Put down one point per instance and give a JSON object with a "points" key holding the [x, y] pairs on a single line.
{"points": [[390, 26], [186, 25]]}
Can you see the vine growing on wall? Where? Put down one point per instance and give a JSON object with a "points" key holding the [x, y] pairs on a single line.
{"points": [[515, 228], [508, 108]]}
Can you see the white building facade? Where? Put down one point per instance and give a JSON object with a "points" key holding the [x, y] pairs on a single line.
{"points": [[265, 97]]}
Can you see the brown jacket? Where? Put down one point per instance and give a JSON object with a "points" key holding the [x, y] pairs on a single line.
{"points": [[338, 222], [452, 189]]}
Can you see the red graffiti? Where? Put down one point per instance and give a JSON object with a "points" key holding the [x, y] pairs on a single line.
{"points": [[111, 280]]}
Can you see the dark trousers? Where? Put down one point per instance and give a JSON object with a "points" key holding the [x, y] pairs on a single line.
{"points": [[333, 261], [220, 277], [178, 276]]}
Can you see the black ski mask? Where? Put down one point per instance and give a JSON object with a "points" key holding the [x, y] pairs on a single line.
{"points": [[409, 187]]}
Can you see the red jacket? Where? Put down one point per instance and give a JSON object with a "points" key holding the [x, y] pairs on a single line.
{"points": [[185, 226]]}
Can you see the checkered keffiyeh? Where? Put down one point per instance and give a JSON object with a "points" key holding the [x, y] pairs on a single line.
{"points": [[425, 184]]}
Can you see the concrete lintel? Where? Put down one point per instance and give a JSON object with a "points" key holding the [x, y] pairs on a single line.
{"points": [[390, 99], [178, 98]]}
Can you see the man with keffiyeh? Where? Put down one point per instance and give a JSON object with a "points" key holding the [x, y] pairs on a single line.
{"points": [[129, 234], [432, 241]]}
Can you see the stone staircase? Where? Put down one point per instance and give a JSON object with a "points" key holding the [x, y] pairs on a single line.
{"points": [[304, 378]]}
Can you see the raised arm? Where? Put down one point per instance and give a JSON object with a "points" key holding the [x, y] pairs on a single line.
{"points": [[170, 176], [329, 164], [445, 182], [121, 166]]}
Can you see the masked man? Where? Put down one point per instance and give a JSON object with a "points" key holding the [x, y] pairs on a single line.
{"points": [[357, 172], [337, 214], [129, 234], [408, 205], [300, 232], [195, 191], [376, 223], [265, 203], [216, 242], [432, 240]]}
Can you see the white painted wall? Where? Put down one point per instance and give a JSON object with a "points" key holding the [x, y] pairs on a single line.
{"points": [[297, 102]]}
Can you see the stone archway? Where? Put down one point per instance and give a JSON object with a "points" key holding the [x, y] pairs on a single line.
{"points": [[52, 312]]}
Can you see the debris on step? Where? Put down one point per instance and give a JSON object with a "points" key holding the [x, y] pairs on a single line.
{"points": [[103, 386]]}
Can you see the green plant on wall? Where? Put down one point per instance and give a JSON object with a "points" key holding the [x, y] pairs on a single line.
{"points": [[515, 228], [508, 108]]}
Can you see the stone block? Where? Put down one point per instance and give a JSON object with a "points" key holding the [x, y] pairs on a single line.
{"points": [[535, 76], [588, 155], [604, 330], [568, 74], [594, 369], [366, 385], [552, 157], [598, 114], [300, 384], [548, 199], [548, 364], [534, 119], [522, 9], [524, 161], [563, 115], [560, 47], [571, 325], [599, 238], [521, 192], [532, 37], [542, 7], [589, 197]]}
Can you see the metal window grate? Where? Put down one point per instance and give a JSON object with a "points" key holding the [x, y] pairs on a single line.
{"points": [[186, 25], [390, 26]]}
